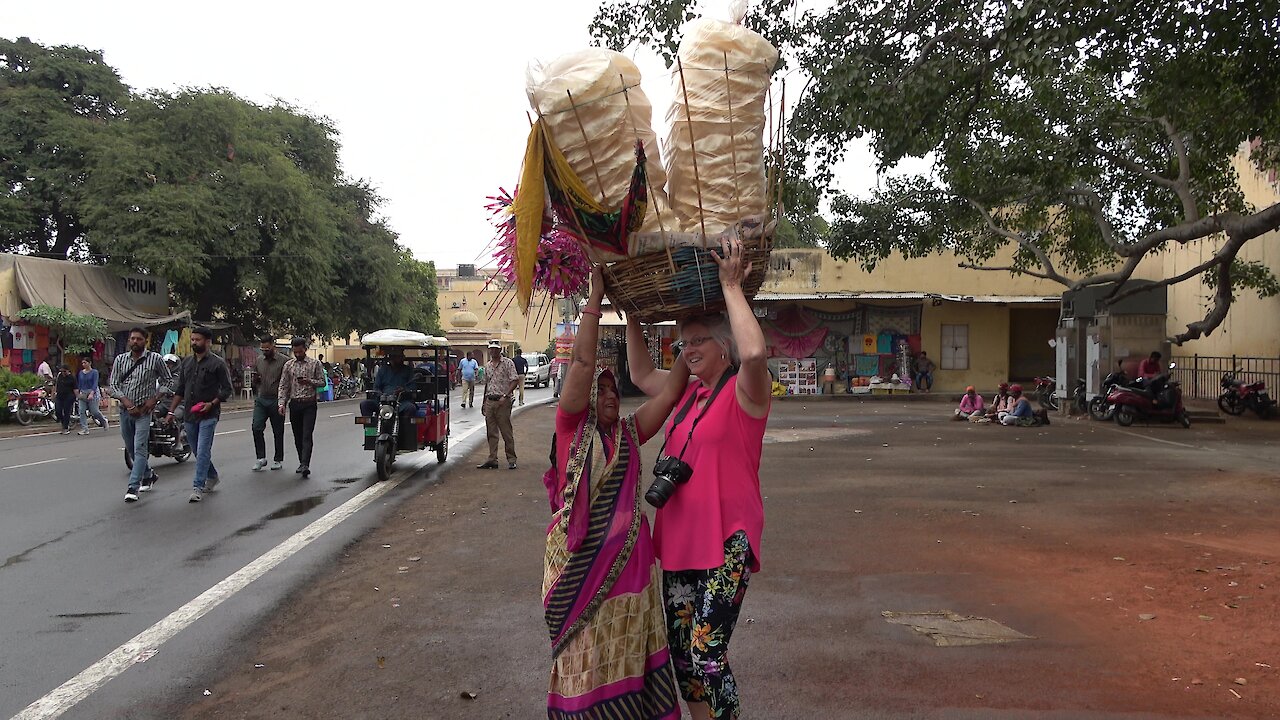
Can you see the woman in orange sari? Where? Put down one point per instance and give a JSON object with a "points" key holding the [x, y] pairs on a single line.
{"points": [[602, 589]]}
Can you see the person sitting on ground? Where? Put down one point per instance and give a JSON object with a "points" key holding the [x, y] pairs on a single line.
{"points": [[971, 405], [1022, 414], [1001, 403], [924, 372]]}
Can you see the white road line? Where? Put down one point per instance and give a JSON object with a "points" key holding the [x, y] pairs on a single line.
{"points": [[340, 415], [42, 462], [231, 432], [1159, 440], [70, 693]]}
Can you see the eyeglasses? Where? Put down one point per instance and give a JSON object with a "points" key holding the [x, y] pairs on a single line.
{"points": [[680, 345]]}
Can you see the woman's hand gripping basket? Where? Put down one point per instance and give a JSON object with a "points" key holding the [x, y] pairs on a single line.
{"points": [[682, 279]]}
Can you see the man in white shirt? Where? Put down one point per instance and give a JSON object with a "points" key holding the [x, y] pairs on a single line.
{"points": [[44, 371]]}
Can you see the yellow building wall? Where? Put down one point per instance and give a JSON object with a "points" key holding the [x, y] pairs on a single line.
{"points": [[988, 345], [812, 270], [497, 311], [1252, 327]]}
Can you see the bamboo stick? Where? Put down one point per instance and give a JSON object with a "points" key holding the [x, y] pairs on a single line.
{"points": [[587, 142], [693, 151], [768, 180], [782, 151], [662, 228], [733, 147]]}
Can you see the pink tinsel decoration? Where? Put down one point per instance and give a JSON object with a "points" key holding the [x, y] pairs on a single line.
{"points": [[562, 268]]}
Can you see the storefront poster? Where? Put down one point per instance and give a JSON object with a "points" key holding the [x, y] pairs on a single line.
{"points": [[799, 376]]}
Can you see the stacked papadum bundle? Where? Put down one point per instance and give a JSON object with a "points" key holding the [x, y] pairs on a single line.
{"points": [[594, 124]]}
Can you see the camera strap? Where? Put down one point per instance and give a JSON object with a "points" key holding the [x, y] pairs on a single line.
{"points": [[684, 411]]}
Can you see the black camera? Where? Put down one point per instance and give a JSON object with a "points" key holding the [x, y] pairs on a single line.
{"points": [[668, 473]]}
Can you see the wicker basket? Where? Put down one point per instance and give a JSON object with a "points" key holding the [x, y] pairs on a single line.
{"points": [[679, 282]]}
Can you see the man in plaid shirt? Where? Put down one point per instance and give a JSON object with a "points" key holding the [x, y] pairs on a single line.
{"points": [[500, 381]]}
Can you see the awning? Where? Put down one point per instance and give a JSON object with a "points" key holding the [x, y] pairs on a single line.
{"points": [[90, 290], [877, 295]]}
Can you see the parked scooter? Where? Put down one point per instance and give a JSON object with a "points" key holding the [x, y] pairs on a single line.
{"points": [[1160, 400], [1238, 397], [32, 404], [349, 387], [1080, 398], [1099, 408], [1046, 393]]}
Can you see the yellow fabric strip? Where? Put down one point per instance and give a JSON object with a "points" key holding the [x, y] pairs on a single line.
{"points": [[529, 207]]}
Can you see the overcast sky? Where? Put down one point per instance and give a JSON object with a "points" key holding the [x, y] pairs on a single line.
{"points": [[428, 98]]}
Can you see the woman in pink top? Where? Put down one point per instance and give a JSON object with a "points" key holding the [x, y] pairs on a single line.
{"points": [[707, 533], [601, 594]]}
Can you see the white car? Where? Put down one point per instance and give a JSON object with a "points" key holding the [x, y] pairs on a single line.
{"points": [[539, 373]]}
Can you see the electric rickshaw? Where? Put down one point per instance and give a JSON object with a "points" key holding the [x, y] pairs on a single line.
{"points": [[411, 418]]}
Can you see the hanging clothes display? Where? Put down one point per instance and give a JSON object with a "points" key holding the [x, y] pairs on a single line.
{"points": [[170, 344], [795, 333], [884, 342], [184, 343]]}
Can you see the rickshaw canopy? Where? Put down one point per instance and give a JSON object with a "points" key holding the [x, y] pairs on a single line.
{"points": [[392, 337]]}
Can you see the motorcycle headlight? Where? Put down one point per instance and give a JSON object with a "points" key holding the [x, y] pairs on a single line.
{"points": [[387, 413]]}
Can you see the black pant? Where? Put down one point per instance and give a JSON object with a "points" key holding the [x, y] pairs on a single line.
{"points": [[302, 416], [265, 410], [62, 405]]}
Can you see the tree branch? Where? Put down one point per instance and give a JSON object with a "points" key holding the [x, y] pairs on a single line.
{"points": [[1093, 205], [1181, 185], [1221, 304], [1010, 269], [1050, 273], [1224, 255], [923, 55], [1132, 166]]}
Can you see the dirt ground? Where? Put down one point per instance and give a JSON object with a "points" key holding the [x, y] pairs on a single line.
{"points": [[1143, 564]]}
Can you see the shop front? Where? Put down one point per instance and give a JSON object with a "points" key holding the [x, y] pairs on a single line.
{"points": [[868, 343]]}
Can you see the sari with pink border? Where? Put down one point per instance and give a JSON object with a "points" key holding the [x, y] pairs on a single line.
{"points": [[602, 588]]}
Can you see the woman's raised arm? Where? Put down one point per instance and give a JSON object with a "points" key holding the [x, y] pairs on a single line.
{"points": [[576, 391], [754, 382], [644, 375], [653, 413]]}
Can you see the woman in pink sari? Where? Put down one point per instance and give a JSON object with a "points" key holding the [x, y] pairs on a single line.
{"points": [[601, 585]]}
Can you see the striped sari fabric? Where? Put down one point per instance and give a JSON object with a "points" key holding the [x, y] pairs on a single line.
{"points": [[602, 587]]}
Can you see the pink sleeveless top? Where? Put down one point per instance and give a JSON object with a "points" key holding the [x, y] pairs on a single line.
{"points": [[723, 496]]}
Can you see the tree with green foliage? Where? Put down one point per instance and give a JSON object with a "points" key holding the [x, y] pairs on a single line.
{"points": [[1087, 136], [75, 333], [243, 208], [55, 105], [228, 200]]}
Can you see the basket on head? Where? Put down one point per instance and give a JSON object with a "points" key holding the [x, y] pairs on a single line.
{"points": [[684, 280]]}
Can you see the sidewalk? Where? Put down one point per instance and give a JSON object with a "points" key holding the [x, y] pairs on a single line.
{"points": [[1142, 565]]}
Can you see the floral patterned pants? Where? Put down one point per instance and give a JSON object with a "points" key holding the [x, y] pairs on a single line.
{"points": [[702, 610]]}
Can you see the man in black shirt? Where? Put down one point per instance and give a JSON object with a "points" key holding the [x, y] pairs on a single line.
{"points": [[203, 384]]}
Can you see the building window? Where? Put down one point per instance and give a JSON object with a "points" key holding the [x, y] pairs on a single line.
{"points": [[955, 347]]}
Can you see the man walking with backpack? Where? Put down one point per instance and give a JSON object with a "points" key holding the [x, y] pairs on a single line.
{"points": [[204, 383], [136, 377]]}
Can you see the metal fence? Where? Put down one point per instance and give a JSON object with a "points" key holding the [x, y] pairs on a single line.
{"points": [[1201, 375]]}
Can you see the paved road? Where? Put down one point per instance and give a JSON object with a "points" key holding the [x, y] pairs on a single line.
{"points": [[83, 572]]}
